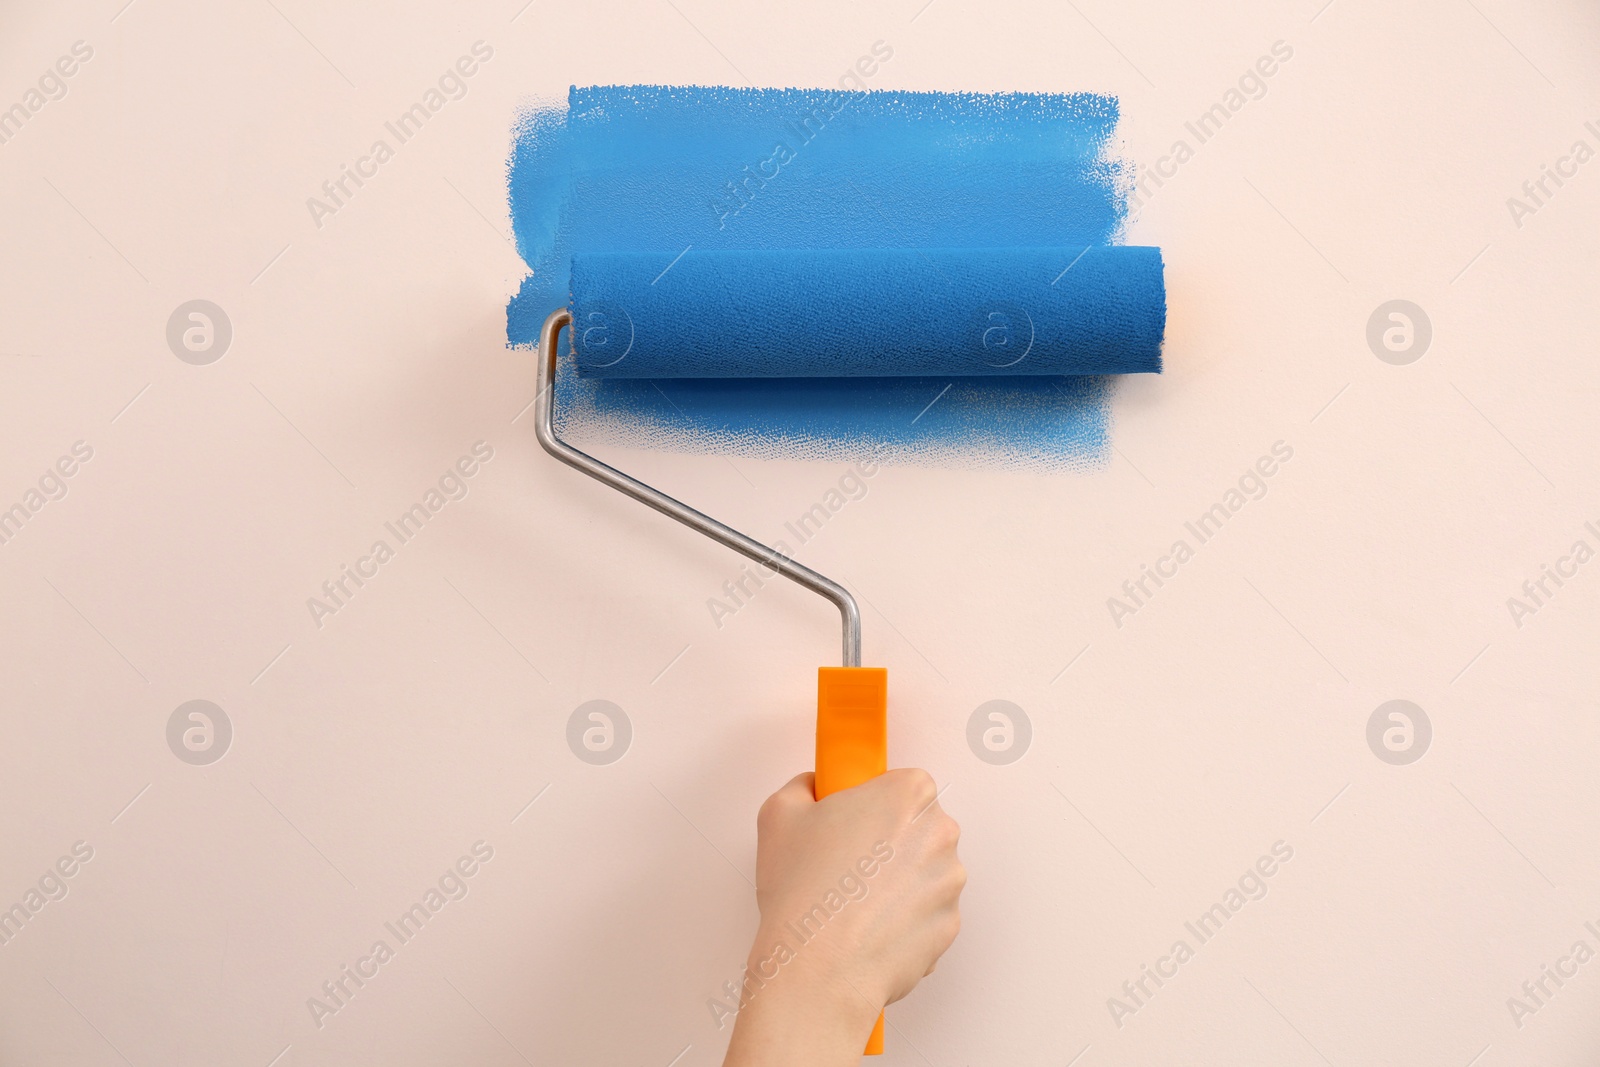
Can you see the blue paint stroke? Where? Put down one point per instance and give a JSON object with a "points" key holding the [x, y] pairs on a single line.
{"points": [[659, 168]]}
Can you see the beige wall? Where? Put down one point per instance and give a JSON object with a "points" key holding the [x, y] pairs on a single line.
{"points": [[371, 755]]}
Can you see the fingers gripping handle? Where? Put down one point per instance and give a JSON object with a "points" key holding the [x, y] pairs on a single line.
{"points": [[852, 743]]}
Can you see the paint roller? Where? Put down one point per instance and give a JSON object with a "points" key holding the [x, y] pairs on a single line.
{"points": [[846, 313], [849, 313]]}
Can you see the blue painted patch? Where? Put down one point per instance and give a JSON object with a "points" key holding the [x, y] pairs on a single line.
{"points": [[649, 168]]}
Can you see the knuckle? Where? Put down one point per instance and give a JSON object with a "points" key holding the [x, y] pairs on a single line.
{"points": [[769, 813], [920, 785]]}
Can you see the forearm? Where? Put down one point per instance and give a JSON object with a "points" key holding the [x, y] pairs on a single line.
{"points": [[806, 1015]]}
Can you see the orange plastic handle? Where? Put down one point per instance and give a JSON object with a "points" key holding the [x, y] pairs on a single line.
{"points": [[852, 743]]}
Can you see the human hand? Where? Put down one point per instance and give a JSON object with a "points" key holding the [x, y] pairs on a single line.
{"points": [[858, 895]]}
